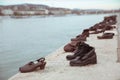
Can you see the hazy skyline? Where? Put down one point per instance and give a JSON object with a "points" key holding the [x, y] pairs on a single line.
{"points": [[81, 4]]}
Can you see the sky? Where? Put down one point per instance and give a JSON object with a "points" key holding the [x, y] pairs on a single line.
{"points": [[80, 4]]}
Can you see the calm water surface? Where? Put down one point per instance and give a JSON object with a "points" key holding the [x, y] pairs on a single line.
{"points": [[23, 40]]}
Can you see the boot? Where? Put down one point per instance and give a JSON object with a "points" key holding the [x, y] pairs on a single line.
{"points": [[87, 58], [82, 48]]}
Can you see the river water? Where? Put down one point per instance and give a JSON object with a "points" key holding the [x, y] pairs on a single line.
{"points": [[23, 40]]}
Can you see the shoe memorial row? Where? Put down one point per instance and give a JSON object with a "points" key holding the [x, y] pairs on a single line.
{"points": [[106, 24], [83, 54], [70, 47]]}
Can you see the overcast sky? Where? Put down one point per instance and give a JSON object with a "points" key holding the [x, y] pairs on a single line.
{"points": [[81, 4]]}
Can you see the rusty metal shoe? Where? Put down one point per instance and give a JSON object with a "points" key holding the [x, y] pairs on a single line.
{"points": [[86, 32], [80, 38], [106, 36], [70, 47], [87, 58], [81, 49], [98, 31], [32, 66]]}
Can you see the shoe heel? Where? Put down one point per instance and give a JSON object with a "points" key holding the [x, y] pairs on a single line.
{"points": [[93, 60], [43, 65]]}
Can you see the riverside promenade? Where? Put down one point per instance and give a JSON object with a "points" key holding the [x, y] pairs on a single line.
{"points": [[58, 68]]}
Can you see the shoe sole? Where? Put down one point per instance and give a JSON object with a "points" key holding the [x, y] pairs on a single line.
{"points": [[91, 60]]}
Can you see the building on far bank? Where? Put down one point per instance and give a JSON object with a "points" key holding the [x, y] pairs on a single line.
{"points": [[7, 12], [33, 12], [59, 11]]}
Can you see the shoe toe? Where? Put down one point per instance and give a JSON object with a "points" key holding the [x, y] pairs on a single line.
{"points": [[70, 57]]}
